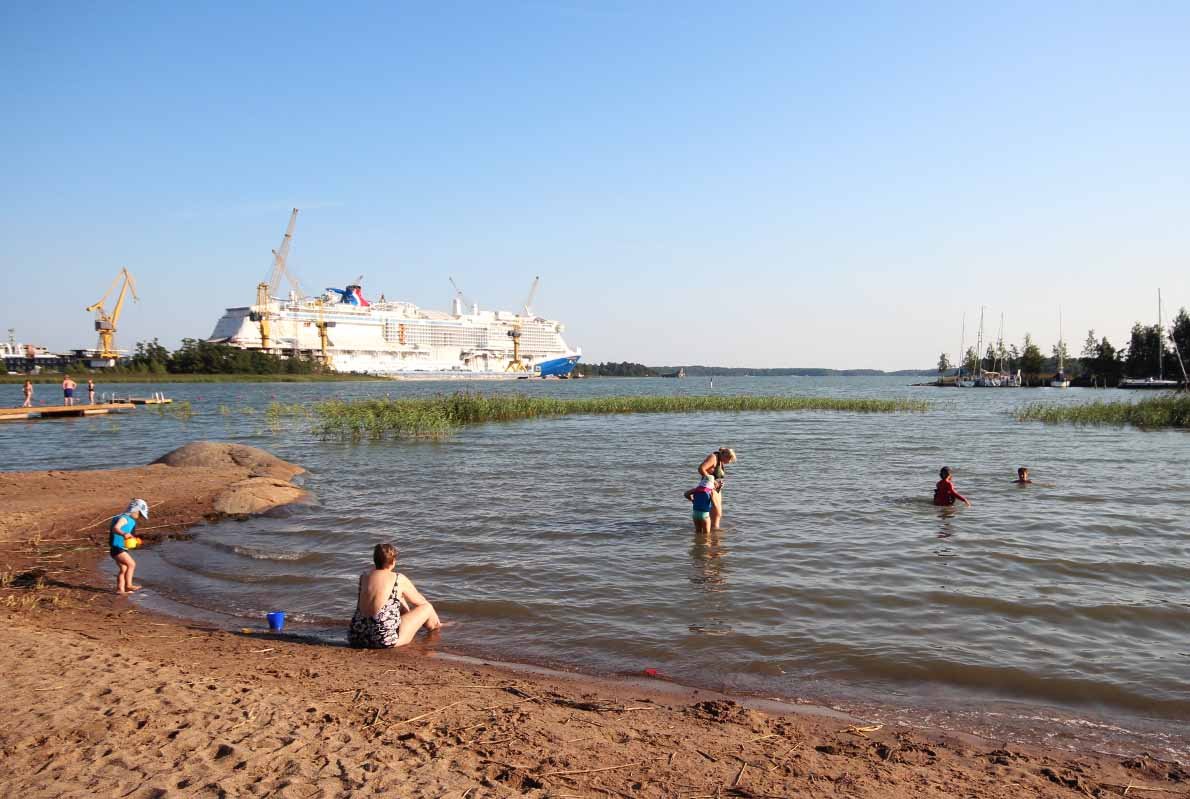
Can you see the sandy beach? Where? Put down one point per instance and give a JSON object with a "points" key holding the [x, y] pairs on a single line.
{"points": [[106, 699]]}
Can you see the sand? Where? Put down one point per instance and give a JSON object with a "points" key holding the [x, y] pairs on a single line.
{"points": [[105, 699]]}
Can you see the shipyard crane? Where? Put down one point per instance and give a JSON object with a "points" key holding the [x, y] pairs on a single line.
{"points": [[532, 294], [322, 324], [459, 300], [266, 289], [105, 323]]}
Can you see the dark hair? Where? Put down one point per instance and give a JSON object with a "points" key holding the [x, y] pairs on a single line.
{"points": [[384, 555], [1022, 469], [944, 472]]}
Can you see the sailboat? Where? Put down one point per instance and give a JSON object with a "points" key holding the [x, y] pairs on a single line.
{"points": [[1060, 379], [1150, 382], [959, 380]]}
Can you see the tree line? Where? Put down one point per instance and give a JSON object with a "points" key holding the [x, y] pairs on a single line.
{"points": [[1149, 352], [198, 357]]}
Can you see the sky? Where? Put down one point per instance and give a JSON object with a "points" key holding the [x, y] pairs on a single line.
{"points": [[740, 184]]}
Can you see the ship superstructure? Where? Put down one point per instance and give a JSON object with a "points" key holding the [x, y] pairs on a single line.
{"points": [[395, 338], [348, 333]]}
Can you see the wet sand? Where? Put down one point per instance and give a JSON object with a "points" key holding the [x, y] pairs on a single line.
{"points": [[103, 698]]}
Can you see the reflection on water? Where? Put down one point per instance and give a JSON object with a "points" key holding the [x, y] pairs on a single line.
{"points": [[707, 553], [566, 541]]}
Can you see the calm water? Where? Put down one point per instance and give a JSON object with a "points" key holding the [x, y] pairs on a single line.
{"points": [[1060, 611]]}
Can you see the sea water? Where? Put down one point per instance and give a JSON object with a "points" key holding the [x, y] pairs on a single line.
{"points": [[1057, 612]]}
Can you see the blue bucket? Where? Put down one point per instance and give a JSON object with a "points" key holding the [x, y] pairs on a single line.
{"points": [[276, 620]]}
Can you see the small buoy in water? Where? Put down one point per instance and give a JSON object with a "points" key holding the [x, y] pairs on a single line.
{"points": [[650, 672]]}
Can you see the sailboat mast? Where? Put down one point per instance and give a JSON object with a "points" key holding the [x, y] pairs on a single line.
{"points": [[1160, 340], [962, 355], [1061, 347], [979, 344]]}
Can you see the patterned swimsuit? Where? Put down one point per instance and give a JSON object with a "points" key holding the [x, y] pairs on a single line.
{"points": [[379, 631]]}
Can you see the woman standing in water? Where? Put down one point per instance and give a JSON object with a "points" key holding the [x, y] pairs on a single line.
{"points": [[378, 623], [712, 466]]}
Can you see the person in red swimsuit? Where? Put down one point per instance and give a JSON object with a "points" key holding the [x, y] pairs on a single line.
{"points": [[944, 493]]}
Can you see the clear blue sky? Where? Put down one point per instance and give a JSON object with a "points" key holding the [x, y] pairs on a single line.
{"points": [[749, 184]]}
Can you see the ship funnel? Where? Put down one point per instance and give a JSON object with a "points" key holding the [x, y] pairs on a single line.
{"points": [[475, 309], [456, 307]]}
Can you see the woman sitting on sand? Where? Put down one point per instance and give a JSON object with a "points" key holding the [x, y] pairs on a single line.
{"points": [[378, 623]]}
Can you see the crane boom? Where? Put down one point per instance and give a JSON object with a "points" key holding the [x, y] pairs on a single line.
{"points": [[532, 294], [280, 256], [105, 323]]}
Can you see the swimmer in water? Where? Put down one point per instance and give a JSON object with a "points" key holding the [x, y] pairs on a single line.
{"points": [[1022, 476], [944, 492], [702, 497]]}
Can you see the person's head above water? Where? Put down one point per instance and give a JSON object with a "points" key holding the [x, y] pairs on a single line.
{"points": [[944, 472], [138, 506], [384, 556], [727, 454], [1022, 473]]}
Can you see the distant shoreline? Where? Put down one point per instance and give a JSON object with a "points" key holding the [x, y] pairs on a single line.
{"points": [[101, 378]]}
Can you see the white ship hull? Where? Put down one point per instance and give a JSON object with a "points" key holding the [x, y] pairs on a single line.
{"points": [[398, 338]]}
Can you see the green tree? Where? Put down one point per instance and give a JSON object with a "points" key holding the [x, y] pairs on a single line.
{"points": [[943, 364], [1144, 351], [1061, 355], [1179, 336], [971, 361], [1032, 360], [1106, 368]]}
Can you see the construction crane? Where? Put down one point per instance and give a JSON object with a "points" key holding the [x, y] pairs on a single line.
{"points": [[532, 294], [105, 323], [457, 303], [265, 290], [516, 364], [322, 325]]}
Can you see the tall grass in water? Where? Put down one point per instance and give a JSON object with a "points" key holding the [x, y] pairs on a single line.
{"points": [[442, 415], [1165, 410]]}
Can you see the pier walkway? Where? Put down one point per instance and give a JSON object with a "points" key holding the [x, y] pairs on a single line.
{"points": [[58, 411]]}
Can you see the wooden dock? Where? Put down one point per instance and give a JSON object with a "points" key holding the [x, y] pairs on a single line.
{"points": [[60, 411]]}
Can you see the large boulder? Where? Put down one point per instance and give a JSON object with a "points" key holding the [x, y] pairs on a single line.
{"points": [[256, 495], [217, 455]]}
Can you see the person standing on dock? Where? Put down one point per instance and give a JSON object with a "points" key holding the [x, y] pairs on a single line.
{"points": [[90, 391], [68, 387], [28, 403], [712, 466]]}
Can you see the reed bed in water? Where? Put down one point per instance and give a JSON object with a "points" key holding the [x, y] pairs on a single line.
{"points": [[442, 415], [1164, 410]]}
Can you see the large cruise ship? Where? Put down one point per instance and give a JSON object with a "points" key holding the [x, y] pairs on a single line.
{"points": [[385, 337]]}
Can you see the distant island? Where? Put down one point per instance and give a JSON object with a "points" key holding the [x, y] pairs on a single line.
{"points": [[627, 369]]}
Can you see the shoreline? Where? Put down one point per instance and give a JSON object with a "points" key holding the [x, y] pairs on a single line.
{"points": [[1072, 729], [158, 701]]}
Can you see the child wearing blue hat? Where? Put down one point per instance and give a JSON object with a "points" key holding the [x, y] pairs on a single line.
{"points": [[121, 539]]}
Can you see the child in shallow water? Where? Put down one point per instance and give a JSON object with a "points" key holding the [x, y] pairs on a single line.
{"points": [[944, 491], [121, 539], [702, 495], [1022, 476]]}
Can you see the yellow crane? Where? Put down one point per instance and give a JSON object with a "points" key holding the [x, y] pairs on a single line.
{"points": [[516, 364], [322, 326], [262, 312], [105, 323]]}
